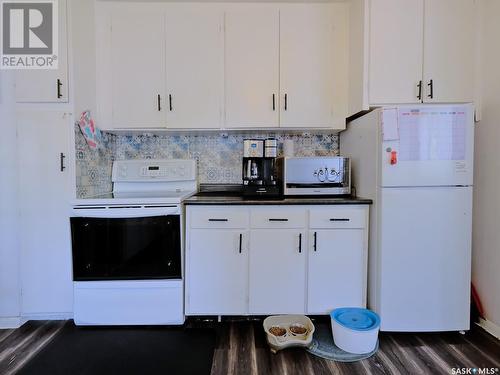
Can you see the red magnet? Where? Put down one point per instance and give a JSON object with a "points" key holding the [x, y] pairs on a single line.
{"points": [[394, 157]]}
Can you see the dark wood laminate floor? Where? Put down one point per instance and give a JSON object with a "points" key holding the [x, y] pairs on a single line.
{"points": [[241, 349]]}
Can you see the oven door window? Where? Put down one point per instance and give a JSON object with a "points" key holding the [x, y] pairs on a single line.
{"points": [[136, 248]]}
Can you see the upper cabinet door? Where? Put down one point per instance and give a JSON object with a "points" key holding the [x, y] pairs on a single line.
{"points": [[47, 86], [137, 57], [396, 47], [449, 50], [195, 66], [306, 65], [252, 66]]}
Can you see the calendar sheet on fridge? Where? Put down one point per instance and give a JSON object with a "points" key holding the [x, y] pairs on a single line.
{"points": [[432, 134]]}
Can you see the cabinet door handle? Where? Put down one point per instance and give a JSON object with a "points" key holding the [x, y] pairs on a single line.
{"points": [[61, 161], [159, 102], [278, 219], [274, 103], [241, 240], [315, 240], [218, 219], [341, 219], [170, 102], [419, 96], [59, 84], [431, 86], [300, 242], [286, 102]]}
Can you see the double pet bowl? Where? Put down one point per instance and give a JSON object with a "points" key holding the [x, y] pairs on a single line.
{"points": [[354, 330]]}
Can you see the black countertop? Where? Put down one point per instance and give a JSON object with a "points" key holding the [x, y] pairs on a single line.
{"points": [[233, 199], [232, 194]]}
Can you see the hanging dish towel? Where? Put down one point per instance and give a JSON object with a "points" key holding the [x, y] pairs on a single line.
{"points": [[91, 133]]}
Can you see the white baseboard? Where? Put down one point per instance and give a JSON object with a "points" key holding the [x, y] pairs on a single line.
{"points": [[48, 316], [490, 327], [11, 322]]}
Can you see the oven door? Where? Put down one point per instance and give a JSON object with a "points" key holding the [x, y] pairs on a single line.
{"points": [[126, 243]]}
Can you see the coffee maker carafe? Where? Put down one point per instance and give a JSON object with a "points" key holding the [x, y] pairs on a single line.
{"points": [[259, 167]]}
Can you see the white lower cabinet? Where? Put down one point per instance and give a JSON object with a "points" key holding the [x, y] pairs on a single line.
{"points": [[277, 277], [276, 259], [336, 272], [44, 179], [217, 271]]}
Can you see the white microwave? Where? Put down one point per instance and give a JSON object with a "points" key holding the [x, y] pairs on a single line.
{"points": [[322, 175]]}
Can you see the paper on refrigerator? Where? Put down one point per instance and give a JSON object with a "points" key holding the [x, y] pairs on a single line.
{"points": [[432, 133], [390, 128]]}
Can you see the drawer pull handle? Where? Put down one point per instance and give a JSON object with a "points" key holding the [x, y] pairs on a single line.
{"points": [[241, 240], [315, 240], [278, 219], [300, 242], [342, 219], [218, 219]]}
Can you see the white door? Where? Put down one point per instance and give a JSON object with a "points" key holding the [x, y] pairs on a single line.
{"points": [[336, 270], [47, 86], [195, 67], [45, 246], [307, 63], [396, 50], [252, 66], [424, 258], [138, 68], [277, 271], [435, 147], [217, 272], [449, 50]]}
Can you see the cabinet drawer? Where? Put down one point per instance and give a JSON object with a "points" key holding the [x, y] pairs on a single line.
{"points": [[218, 217], [338, 217], [269, 218]]}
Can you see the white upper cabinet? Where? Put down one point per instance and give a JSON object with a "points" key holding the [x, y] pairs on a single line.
{"points": [[252, 66], [307, 65], [422, 51], [223, 65], [194, 66], [396, 39], [137, 58], [449, 50], [47, 86]]}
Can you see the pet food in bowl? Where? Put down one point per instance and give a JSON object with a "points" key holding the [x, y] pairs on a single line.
{"points": [[277, 331], [298, 329]]}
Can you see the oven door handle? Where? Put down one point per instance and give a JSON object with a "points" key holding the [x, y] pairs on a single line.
{"points": [[124, 212]]}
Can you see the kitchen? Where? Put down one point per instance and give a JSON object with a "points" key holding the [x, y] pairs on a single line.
{"points": [[160, 112]]}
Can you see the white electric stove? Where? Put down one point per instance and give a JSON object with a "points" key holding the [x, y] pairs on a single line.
{"points": [[148, 181], [128, 246]]}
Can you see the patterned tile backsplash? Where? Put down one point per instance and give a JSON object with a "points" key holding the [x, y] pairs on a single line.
{"points": [[218, 157]]}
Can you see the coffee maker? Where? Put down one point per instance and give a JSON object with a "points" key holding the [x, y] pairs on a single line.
{"points": [[259, 167]]}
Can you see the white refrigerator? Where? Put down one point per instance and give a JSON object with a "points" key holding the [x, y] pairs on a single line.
{"points": [[416, 163]]}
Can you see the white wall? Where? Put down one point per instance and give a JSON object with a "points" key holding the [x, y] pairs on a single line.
{"points": [[83, 45], [9, 259], [486, 231]]}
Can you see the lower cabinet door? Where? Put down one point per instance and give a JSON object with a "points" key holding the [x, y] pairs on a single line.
{"points": [[217, 272], [277, 271], [336, 270]]}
